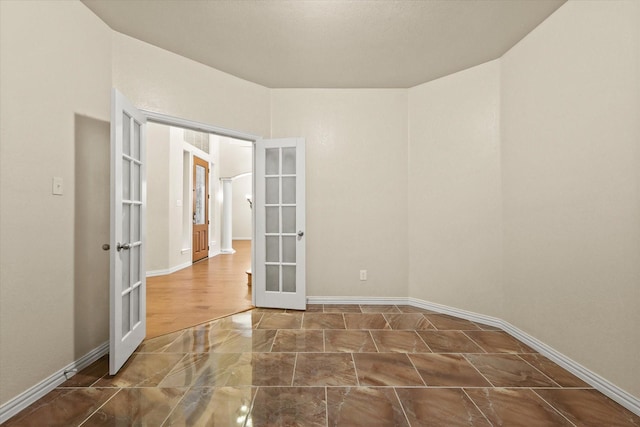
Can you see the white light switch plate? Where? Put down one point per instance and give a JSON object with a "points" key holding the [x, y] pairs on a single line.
{"points": [[57, 187]]}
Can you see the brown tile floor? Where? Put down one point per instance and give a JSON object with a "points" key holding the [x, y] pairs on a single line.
{"points": [[330, 366]]}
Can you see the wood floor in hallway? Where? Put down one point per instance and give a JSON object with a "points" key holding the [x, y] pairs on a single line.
{"points": [[207, 290]]}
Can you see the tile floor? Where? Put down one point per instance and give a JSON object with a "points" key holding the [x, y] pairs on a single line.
{"points": [[333, 365]]}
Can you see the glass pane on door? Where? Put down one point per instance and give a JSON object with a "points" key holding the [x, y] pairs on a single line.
{"points": [[201, 195], [280, 219]]}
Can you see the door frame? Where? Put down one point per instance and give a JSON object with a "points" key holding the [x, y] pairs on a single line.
{"points": [[165, 119]]}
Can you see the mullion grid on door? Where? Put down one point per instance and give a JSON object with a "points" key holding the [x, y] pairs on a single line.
{"points": [[280, 233], [130, 203]]}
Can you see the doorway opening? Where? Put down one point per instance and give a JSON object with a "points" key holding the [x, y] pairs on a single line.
{"points": [[192, 276]]}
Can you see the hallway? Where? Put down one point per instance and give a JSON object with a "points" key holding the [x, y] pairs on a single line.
{"points": [[210, 289]]}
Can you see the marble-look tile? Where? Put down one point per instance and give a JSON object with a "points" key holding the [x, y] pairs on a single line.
{"points": [[323, 321], [449, 342], [399, 342], [263, 369], [350, 341], [508, 370], [408, 321], [553, 371], [244, 320], [203, 369], [281, 321], [498, 342], [386, 369], [62, 407], [324, 369], [208, 406], [314, 308], [512, 407], [247, 340], [379, 308], [342, 308], [412, 309], [289, 406], [364, 406], [89, 375], [142, 370], [232, 369], [137, 406], [200, 339], [440, 407], [444, 322], [158, 344], [589, 408], [365, 321], [448, 370], [298, 340]]}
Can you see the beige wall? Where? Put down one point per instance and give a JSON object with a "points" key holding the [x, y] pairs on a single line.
{"points": [[571, 180], [55, 95], [158, 202], [356, 169], [455, 237], [160, 81]]}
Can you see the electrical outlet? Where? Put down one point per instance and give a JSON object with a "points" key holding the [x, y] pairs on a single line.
{"points": [[363, 275]]}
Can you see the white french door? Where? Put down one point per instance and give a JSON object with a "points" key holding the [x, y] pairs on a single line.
{"points": [[128, 203], [279, 192]]}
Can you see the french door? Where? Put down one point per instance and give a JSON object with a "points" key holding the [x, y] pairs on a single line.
{"points": [[127, 243], [279, 239]]}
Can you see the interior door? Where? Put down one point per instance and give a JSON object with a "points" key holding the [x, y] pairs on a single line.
{"points": [[200, 209], [128, 233], [279, 188]]}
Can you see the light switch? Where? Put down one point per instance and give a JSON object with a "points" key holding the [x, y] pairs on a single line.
{"points": [[57, 186]]}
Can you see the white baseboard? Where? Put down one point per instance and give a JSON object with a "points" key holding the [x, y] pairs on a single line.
{"points": [[604, 386], [26, 398], [179, 267], [358, 300], [241, 238]]}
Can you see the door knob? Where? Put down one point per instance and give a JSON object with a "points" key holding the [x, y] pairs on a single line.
{"points": [[106, 247], [125, 246], [300, 233]]}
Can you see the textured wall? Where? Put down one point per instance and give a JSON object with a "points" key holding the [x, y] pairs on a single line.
{"points": [[356, 186], [571, 180], [455, 237]]}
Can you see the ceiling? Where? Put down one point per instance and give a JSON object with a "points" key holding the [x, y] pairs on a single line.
{"points": [[330, 43]]}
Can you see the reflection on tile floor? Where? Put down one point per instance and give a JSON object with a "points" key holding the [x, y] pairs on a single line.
{"points": [[333, 365]]}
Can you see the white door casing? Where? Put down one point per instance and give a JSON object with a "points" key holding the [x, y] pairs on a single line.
{"points": [[279, 209], [128, 232]]}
